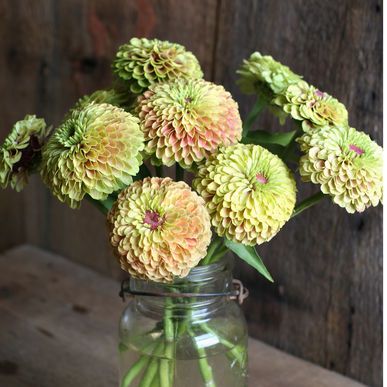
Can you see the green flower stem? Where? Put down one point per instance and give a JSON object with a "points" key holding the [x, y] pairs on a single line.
{"points": [[308, 202], [169, 353], [236, 351], [167, 365], [215, 244], [134, 371], [164, 373], [253, 115], [142, 362], [155, 381], [168, 323], [179, 173], [218, 255], [151, 372], [204, 366]]}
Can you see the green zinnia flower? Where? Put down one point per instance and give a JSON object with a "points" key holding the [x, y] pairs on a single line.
{"points": [[249, 193], [312, 106], [347, 165], [263, 75], [96, 151], [20, 154], [143, 62]]}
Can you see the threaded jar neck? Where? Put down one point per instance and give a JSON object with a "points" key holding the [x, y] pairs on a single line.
{"points": [[202, 280]]}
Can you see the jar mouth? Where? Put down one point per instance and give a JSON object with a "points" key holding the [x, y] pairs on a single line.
{"points": [[214, 276], [210, 279], [207, 272]]}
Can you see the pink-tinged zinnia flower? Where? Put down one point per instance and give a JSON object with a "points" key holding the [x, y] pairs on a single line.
{"points": [[346, 164], [185, 121], [159, 229]]}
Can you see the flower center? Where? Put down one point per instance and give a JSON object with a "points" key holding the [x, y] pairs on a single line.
{"points": [[70, 134], [261, 178], [153, 219], [356, 149], [188, 100], [27, 155]]}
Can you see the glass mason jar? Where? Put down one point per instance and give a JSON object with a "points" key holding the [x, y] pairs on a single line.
{"points": [[199, 339]]}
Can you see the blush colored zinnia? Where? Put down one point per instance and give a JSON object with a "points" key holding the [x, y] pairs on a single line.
{"points": [[187, 120], [159, 229]]}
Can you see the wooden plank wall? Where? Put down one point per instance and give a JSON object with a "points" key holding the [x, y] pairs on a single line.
{"points": [[326, 304]]}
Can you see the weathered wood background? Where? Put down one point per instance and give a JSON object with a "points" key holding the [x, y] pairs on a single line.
{"points": [[326, 304]]}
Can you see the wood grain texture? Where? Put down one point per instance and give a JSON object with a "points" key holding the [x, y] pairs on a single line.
{"points": [[19, 84], [58, 328], [326, 303]]}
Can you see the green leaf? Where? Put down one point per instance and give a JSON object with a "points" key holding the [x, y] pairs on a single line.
{"points": [[261, 137], [250, 256], [275, 149], [308, 202], [108, 202], [253, 115]]}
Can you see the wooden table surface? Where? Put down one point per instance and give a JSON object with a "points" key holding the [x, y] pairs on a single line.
{"points": [[58, 325]]}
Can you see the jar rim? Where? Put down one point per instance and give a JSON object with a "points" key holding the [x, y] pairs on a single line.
{"points": [[202, 273], [198, 274]]}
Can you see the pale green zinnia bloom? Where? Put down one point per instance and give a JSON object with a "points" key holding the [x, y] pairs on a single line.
{"points": [[20, 153], [249, 192], [94, 152], [346, 164], [144, 62], [303, 102], [262, 75]]}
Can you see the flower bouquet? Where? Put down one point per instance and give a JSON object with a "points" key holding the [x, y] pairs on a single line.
{"points": [[131, 150]]}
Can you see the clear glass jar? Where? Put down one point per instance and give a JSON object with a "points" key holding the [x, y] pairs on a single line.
{"points": [[185, 341]]}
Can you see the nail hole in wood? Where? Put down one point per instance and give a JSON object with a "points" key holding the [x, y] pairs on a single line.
{"points": [[80, 309]]}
